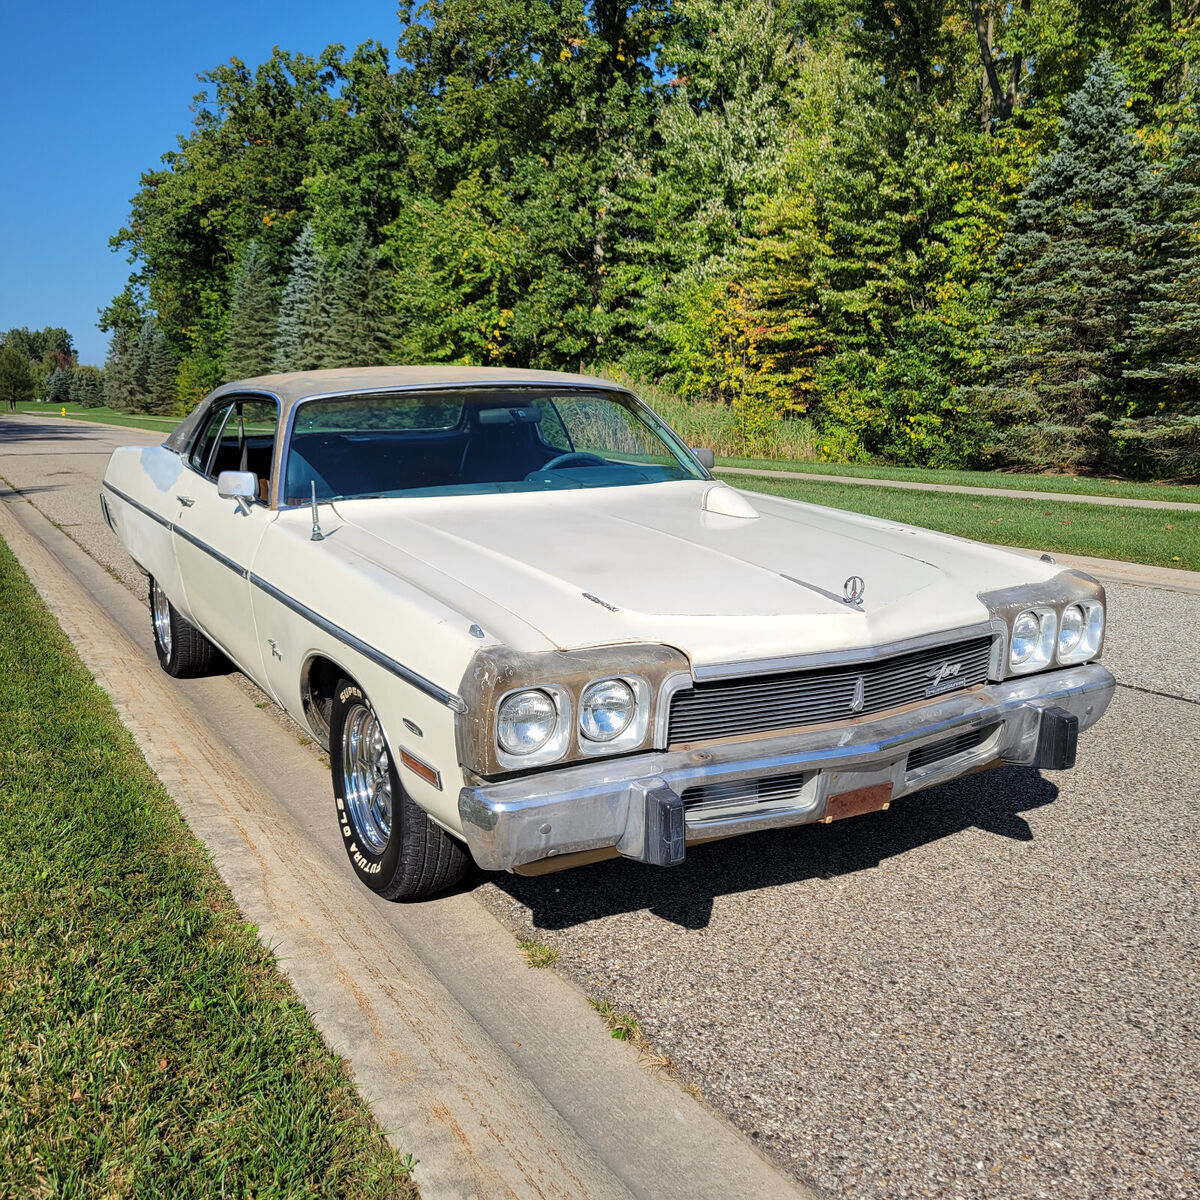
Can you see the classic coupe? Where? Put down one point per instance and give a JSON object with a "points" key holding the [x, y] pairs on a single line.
{"points": [[533, 629]]}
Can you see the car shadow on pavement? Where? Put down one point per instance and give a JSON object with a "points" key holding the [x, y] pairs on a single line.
{"points": [[35, 431], [684, 895]]}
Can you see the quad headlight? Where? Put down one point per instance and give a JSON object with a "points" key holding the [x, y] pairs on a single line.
{"points": [[606, 709], [526, 721], [1031, 647], [1080, 631]]}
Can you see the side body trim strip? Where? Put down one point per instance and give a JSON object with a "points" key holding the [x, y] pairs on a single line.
{"points": [[449, 699]]}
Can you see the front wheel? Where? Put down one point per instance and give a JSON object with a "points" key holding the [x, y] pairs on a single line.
{"points": [[183, 651], [394, 848]]}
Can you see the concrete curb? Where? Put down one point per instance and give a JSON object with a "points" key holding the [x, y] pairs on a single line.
{"points": [[498, 1078]]}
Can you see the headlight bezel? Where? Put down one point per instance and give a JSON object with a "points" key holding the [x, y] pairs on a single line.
{"points": [[1092, 636], [495, 672], [552, 748], [1042, 654], [633, 734], [1054, 595]]}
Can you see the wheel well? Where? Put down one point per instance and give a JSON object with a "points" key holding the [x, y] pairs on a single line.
{"points": [[318, 681]]}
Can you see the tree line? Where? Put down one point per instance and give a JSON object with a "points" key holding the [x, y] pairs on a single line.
{"points": [[938, 233]]}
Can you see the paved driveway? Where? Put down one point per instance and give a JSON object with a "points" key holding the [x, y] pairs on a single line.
{"points": [[991, 990]]}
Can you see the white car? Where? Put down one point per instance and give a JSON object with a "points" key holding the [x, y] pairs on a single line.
{"points": [[532, 629]]}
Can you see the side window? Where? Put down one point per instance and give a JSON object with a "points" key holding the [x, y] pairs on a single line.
{"points": [[239, 436], [202, 450]]}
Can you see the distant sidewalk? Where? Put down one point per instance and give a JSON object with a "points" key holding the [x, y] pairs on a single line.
{"points": [[1175, 505]]}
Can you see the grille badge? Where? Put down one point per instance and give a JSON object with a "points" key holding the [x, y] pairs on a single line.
{"points": [[860, 695], [944, 677]]}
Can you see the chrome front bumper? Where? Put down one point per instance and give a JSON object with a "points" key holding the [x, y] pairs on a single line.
{"points": [[602, 804]]}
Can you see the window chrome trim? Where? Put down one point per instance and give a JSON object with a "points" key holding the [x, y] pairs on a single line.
{"points": [[449, 699], [838, 658]]}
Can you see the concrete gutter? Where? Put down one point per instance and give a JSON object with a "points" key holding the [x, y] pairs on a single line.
{"points": [[498, 1078], [962, 489]]}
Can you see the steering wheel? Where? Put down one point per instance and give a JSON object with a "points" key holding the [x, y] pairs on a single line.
{"points": [[578, 458]]}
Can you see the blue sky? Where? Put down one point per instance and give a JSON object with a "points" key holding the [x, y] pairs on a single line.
{"points": [[94, 94]]}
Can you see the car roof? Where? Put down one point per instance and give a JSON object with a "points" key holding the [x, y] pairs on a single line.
{"points": [[294, 386]]}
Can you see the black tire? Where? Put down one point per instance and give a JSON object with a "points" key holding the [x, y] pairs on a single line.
{"points": [[394, 848], [183, 651]]}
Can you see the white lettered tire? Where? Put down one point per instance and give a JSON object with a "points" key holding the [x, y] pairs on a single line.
{"points": [[394, 848]]}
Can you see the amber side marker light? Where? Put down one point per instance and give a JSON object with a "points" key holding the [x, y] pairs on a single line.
{"points": [[423, 769]]}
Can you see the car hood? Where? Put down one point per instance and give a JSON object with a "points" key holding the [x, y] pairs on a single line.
{"points": [[656, 563]]}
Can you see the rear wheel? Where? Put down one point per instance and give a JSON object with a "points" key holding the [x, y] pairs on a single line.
{"points": [[394, 848], [182, 649]]}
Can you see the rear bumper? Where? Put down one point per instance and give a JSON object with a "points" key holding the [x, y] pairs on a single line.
{"points": [[745, 786]]}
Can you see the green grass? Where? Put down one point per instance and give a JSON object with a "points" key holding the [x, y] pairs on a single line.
{"points": [[1077, 485], [1146, 535], [149, 1045], [101, 416]]}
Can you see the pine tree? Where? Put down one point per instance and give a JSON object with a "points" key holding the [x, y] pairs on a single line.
{"points": [[58, 385], [160, 375], [250, 341], [119, 391], [1163, 428], [359, 335], [87, 387], [141, 354], [305, 310], [1073, 271]]}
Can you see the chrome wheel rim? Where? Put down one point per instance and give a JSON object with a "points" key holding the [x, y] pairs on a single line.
{"points": [[367, 777], [160, 609]]}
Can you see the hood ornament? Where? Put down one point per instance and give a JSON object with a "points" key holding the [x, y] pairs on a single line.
{"points": [[853, 589]]}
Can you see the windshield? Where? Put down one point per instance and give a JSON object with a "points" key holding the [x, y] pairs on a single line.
{"points": [[455, 443]]}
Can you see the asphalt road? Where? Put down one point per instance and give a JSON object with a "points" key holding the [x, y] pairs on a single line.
{"points": [[990, 990]]}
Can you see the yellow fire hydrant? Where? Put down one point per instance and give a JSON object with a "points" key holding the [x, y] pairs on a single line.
{"points": [[64, 412]]}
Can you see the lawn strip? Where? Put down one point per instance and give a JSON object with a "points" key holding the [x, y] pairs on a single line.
{"points": [[1059, 484], [102, 416], [150, 1045], [1159, 537]]}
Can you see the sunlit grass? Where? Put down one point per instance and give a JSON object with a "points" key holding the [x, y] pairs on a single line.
{"points": [[150, 1046], [1160, 537]]}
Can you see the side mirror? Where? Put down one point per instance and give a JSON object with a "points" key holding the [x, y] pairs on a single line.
{"points": [[241, 486], [705, 458]]}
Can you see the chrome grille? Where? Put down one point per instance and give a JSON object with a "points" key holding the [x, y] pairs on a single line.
{"points": [[971, 740], [710, 798], [760, 703]]}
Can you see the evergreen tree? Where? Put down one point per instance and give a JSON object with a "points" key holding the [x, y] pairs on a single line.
{"points": [[58, 385], [87, 387], [305, 310], [119, 387], [160, 374], [1163, 427], [1073, 258], [143, 349], [359, 335], [250, 342], [16, 384]]}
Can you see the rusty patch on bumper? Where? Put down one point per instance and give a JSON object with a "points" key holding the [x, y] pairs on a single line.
{"points": [[861, 800]]}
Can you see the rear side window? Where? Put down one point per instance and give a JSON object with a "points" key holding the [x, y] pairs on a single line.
{"points": [[238, 436]]}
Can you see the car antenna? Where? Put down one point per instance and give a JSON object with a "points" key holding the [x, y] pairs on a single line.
{"points": [[317, 535]]}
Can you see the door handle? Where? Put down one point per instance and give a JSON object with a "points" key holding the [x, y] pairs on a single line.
{"points": [[186, 501]]}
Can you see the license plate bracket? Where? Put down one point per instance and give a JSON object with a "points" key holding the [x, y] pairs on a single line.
{"points": [[857, 801]]}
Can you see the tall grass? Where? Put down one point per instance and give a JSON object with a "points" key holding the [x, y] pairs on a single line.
{"points": [[717, 427]]}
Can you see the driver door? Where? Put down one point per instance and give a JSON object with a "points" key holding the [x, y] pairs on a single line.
{"points": [[216, 540]]}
